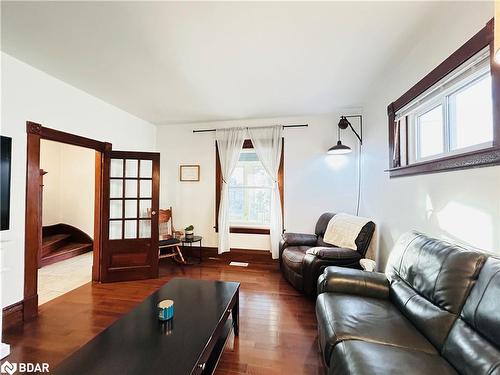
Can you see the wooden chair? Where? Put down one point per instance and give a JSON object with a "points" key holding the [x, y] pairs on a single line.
{"points": [[169, 237]]}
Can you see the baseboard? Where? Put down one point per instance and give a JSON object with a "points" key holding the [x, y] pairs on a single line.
{"points": [[12, 315], [242, 255]]}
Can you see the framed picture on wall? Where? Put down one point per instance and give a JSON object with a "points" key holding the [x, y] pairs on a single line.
{"points": [[189, 173]]}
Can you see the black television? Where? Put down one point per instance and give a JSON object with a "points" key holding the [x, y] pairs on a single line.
{"points": [[5, 166]]}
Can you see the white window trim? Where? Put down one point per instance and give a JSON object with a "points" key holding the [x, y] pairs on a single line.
{"points": [[440, 94]]}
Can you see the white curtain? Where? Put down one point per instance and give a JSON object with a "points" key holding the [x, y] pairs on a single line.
{"points": [[229, 143], [267, 143]]}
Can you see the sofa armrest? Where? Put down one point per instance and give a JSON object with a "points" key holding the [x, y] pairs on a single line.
{"points": [[299, 239], [296, 239], [352, 281], [334, 253]]}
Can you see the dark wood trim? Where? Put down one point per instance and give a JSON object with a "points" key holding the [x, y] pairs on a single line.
{"points": [[33, 222], [249, 230], [407, 142], [77, 235], [247, 143], [495, 78], [281, 182], [391, 114], [33, 216], [49, 254], [132, 155], [98, 211], [243, 255], [475, 44], [12, 315], [218, 186], [63, 137], [474, 159]]}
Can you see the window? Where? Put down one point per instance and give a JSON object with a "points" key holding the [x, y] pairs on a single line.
{"points": [[471, 114], [453, 116], [450, 119], [430, 134], [249, 193]]}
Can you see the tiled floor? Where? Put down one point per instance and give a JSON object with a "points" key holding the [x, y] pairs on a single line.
{"points": [[61, 277]]}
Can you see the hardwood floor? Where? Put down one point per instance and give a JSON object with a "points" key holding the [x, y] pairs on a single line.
{"points": [[277, 324]]}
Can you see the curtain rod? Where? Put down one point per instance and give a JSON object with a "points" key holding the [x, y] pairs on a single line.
{"points": [[284, 126]]}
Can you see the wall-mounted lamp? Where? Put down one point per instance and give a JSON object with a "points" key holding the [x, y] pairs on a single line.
{"points": [[344, 123]]}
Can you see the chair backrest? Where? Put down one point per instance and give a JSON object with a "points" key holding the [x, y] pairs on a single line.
{"points": [[166, 223], [362, 241]]}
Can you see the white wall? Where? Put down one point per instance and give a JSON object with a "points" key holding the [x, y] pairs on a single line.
{"points": [[463, 206], [29, 94], [50, 160], [314, 181], [69, 185]]}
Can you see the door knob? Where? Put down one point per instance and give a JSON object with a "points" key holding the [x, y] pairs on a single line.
{"points": [[153, 213]]}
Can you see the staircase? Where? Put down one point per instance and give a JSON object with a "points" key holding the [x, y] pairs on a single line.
{"points": [[62, 241]]}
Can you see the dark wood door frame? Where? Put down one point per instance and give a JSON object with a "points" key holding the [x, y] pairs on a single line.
{"points": [[33, 218]]}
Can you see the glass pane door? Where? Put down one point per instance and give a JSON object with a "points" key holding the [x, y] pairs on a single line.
{"points": [[130, 192]]}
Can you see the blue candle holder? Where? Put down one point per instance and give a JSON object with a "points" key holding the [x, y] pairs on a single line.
{"points": [[166, 310]]}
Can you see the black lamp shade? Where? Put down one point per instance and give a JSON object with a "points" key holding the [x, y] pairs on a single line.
{"points": [[343, 123], [339, 149]]}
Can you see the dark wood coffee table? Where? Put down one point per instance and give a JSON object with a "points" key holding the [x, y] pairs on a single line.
{"points": [[138, 343]]}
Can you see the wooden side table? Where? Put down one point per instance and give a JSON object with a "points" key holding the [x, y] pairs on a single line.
{"points": [[190, 240]]}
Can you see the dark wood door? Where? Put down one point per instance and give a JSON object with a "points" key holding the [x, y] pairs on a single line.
{"points": [[130, 216]]}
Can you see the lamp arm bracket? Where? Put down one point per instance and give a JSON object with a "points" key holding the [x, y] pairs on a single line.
{"points": [[356, 133], [360, 137]]}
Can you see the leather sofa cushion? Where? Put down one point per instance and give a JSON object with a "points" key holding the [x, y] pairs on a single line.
{"points": [[482, 309], [439, 271], [367, 358], [293, 257], [434, 322], [348, 317], [473, 344], [430, 280]]}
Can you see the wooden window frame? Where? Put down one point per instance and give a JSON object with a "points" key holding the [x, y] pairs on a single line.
{"points": [[218, 186], [473, 159]]}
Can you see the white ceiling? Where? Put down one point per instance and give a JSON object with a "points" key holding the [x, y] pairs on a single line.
{"points": [[171, 62]]}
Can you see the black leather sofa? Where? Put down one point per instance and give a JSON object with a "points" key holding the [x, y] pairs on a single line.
{"points": [[302, 270], [436, 310]]}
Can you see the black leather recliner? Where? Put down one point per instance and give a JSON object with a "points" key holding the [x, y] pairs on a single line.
{"points": [[434, 311], [302, 270]]}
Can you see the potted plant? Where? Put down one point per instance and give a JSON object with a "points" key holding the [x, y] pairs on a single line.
{"points": [[189, 231]]}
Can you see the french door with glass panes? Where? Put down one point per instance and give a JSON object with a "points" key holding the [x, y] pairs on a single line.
{"points": [[130, 219]]}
